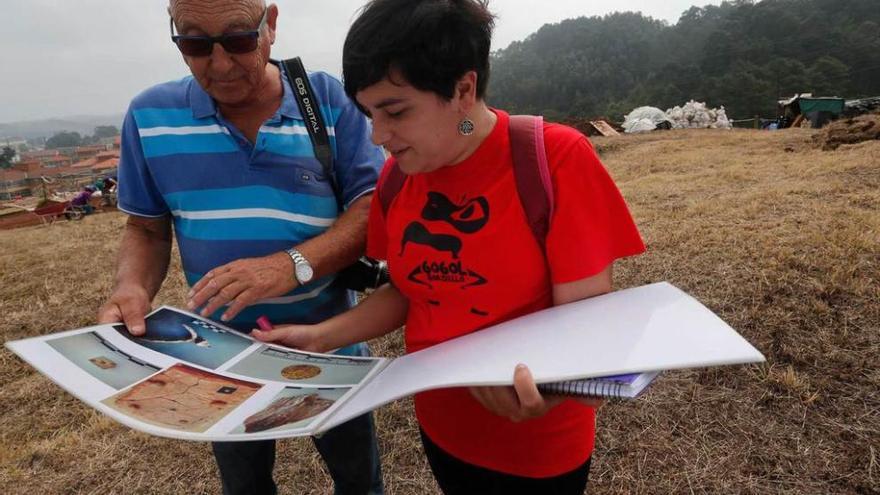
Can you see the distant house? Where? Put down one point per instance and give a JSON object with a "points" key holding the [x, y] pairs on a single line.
{"points": [[47, 158], [56, 162], [31, 167], [59, 171], [102, 164], [107, 168], [55, 170], [39, 155], [14, 184], [84, 152]]}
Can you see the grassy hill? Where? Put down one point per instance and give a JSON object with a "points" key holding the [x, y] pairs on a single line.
{"points": [[781, 239]]}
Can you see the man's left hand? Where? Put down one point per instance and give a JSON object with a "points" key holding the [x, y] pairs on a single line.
{"points": [[523, 400], [242, 283]]}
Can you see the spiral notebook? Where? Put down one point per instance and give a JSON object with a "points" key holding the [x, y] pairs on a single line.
{"points": [[627, 386]]}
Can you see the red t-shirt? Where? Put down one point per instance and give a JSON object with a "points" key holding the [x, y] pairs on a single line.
{"points": [[459, 248]]}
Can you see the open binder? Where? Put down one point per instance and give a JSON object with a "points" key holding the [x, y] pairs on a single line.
{"points": [[194, 379]]}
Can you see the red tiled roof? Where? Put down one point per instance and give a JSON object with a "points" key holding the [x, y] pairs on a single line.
{"points": [[69, 170], [89, 162], [32, 167], [108, 154], [29, 155], [98, 161], [90, 148], [56, 159], [107, 164], [10, 175]]}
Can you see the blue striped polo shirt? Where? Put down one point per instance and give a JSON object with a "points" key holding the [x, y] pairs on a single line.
{"points": [[232, 199]]}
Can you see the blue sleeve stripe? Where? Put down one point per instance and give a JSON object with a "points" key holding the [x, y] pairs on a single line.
{"points": [[253, 197], [189, 144], [240, 229], [167, 117]]}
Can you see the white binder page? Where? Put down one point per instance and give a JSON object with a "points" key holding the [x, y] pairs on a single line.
{"points": [[655, 327]]}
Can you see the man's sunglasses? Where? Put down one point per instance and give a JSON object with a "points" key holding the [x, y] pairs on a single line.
{"points": [[236, 43]]}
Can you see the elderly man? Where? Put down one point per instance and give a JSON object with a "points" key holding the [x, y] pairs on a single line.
{"points": [[224, 158]]}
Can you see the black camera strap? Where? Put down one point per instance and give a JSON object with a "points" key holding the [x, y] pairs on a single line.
{"points": [[365, 273], [310, 108]]}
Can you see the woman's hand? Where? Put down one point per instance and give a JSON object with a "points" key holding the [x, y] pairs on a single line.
{"points": [[522, 401], [302, 337]]}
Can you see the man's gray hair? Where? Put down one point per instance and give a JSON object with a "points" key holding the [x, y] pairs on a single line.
{"points": [[172, 2]]}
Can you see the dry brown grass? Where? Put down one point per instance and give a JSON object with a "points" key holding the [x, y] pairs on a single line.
{"points": [[780, 239]]}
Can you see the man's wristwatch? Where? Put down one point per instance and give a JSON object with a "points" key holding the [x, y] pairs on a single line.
{"points": [[302, 269]]}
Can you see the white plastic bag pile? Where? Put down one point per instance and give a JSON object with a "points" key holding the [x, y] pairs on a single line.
{"points": [[644, 119], [695, 115]]}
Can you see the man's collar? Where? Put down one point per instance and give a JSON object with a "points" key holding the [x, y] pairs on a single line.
{"points": [[288, 108], [201, 102], [204, 106]]}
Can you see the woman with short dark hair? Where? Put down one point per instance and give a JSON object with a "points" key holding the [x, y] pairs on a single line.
{"points": [[465, 248]]}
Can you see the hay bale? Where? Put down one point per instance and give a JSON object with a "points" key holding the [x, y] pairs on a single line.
{"points": [[849, 131]]}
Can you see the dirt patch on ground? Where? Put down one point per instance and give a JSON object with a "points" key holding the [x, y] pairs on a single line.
{"points": [[588, 129], [849, 131]]}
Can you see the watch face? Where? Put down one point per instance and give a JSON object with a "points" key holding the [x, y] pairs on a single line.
{"points": [[304, 273]]}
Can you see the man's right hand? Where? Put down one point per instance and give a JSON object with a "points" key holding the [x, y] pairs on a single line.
{"points": [[129, 305]]}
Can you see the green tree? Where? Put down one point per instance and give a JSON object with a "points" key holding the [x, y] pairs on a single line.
{"points": [[105, 131], [828, 77], [6, 157], [64, 139], [742, 54]]}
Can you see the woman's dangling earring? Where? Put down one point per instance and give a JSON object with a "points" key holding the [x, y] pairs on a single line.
{"points": [[466, 127]]}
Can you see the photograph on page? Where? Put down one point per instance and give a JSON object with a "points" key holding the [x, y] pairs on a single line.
{"points": [[183, 398], [188, 338]]}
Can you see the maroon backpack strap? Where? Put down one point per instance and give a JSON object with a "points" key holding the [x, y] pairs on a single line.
{"points": [[532, 173], [389, 187]]}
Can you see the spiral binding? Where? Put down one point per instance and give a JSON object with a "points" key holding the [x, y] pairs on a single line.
{"points": [[585, 388]]}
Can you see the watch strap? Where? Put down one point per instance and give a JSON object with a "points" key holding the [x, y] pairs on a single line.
{"points": [[296, 256], [298, 260]]}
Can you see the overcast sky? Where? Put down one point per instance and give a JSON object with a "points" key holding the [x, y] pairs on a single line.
{"points": [[90, 57]]}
